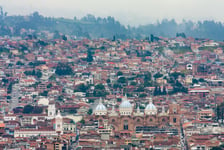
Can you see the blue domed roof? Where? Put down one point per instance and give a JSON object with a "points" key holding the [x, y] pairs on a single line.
{"points": [[100, 107], [150, 106], [125, 104]]}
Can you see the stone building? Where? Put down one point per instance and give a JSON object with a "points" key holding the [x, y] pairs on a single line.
{"points": [[127, 120]]}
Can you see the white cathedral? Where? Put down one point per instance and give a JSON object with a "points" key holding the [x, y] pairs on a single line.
{"points": [[125, 109]]}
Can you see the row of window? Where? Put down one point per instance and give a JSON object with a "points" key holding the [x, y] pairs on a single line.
{"points": [[67, 129], [163, 120]]}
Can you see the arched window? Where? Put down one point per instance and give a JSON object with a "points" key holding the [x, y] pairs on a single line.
{"points": [[125, 124], [174, 120], [175, 110], [163, 120], [150, 119], [113, 120], [138, 120]]}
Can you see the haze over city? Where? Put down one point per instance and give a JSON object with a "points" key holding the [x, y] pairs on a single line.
{"points": [[111, 74], [128, 12]]}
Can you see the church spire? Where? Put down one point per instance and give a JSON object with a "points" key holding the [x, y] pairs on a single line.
{"points": [[100, 101], [150, 100], [58, 114], [138, 109], [113, 109], [125, 98], [163, 110]]}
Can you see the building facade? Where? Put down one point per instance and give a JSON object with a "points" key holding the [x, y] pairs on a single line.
{"points": [[126, 120]]}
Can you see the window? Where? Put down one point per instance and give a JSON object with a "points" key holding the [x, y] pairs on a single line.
{"points": [[174, 120], [150, 119], [163, 120], [175, 110], [113, 120], [138, 120], [142, 141], [125, 124]]}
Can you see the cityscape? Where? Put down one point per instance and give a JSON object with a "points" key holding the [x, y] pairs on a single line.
{"points": [[86, 89]]}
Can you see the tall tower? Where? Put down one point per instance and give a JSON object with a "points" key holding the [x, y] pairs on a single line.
{"points": [[51, 110], [59, 123], [174, 114]]}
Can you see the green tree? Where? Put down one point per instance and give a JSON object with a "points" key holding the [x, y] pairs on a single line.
{"points": [[81, 88], [60, 98], [63, 69], [220, 111], [175, 75], [45, 93], [147, 76], [108, 81], [142, 95], [28, 109], [119, 73], [216, 148], [155, 93], [194, 81], [49, 85], [119, 99], [99, 87], [201, 80], [115, 86], [38, 74], [133, 83], [121, 80], [90, 111], [82, 121], [99, 91], [164, 91], [158, 75], [37, 110], [89, 56], [64, 37], [19, 63]]}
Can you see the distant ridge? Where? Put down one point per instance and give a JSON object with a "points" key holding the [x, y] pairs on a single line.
{"points": [[92, 27]]}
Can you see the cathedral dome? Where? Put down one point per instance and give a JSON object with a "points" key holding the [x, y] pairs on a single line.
{"points": [[125, 106], [125, 103], [100, 107], [150, 108]]}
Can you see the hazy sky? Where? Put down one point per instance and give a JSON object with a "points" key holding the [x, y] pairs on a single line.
{"points": [[133, 12]]}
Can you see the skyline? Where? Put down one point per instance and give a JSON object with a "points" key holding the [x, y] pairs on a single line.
{"points": [[128, 12]]}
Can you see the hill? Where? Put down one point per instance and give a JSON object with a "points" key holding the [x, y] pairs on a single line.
{"points": [[92, 27]]}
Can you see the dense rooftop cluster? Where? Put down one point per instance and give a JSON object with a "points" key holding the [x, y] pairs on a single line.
{"points": [[163, 93]]}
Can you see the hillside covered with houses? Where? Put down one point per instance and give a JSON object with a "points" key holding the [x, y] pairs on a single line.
{"points": [[165, 93]]}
